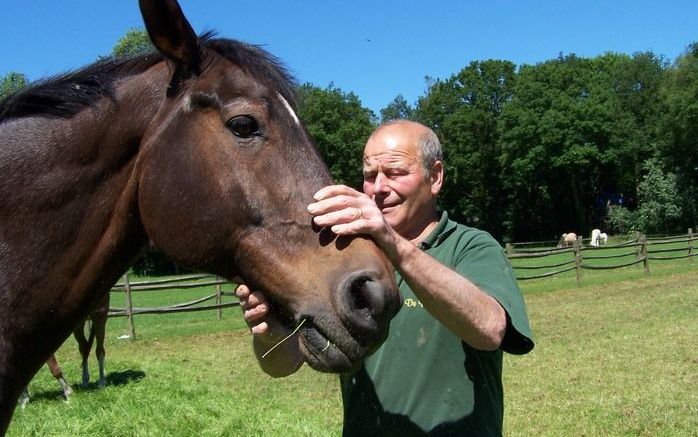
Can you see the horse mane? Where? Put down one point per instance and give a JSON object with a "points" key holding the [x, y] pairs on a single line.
{"points": [[64, 95], [255, 60]]}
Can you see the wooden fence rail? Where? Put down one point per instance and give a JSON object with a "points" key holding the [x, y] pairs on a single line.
{"points": [[644, 250], [185, 282]]}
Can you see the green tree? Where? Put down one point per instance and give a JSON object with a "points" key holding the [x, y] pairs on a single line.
{"points": [[659, 208], [620, 220], [340, 127], [135, 42], [681, 126], [570, 140], [12, 82], [659, 204], [636, 82], [464, 111], [397, 109]]}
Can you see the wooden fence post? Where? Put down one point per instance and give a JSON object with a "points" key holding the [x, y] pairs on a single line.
{"points": [[643, 253], [129, 309], [510, 249], [578, 258], [690, 244], [218, 298], [638, 249]]}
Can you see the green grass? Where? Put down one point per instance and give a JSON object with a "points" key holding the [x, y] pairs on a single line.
{"points": [[615, 355], [615, 359], [599, 277]]}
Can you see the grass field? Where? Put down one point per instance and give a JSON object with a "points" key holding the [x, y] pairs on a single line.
{"points": [[615, 355]]}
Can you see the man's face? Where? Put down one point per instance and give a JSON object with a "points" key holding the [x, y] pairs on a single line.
{"points": [[394, 177]]}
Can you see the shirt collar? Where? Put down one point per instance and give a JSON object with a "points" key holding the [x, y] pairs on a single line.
{"points": [[442, 230]]}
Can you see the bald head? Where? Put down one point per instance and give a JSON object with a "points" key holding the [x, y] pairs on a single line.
{"points": [[420, 138], [403, 175]]}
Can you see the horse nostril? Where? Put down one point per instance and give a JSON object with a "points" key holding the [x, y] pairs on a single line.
{"points": [[364, 296], [362, 304]]}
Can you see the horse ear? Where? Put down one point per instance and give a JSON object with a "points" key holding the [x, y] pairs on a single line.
{"points": [[172, 35]]}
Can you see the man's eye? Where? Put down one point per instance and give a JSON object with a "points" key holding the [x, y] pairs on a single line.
{"points": [[243, 126]]}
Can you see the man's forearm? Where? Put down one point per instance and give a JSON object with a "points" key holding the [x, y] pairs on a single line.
{"points": [[454, 300]]}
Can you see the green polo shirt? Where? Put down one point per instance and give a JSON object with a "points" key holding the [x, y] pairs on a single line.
{"points": [[424, 380]]}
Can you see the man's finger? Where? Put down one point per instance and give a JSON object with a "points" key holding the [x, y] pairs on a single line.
{"points": [[353, 228], [334, 203], [262, 328], [254, 314], [334, 190], [346, 215], [242, 291]]}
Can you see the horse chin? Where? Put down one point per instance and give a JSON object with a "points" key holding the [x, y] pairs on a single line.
{"points": [[326, 355]]}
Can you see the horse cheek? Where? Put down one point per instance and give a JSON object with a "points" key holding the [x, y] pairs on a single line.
{"points": [[180, 211]]}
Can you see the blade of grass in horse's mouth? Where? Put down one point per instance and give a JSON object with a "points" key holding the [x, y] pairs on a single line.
{"points": [[286, 338]]}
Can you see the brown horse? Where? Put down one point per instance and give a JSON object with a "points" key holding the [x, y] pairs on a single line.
{"points": [[196, 147], [55, 370], [96, 324], [567, 240]]}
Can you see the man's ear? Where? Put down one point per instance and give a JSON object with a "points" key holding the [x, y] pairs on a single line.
{"points": [[436, 177]]}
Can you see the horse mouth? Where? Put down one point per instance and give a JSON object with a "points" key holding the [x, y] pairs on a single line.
{"points": [[325, 355]]}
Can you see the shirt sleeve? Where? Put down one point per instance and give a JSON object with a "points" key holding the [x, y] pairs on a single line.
{"points": [[482, 260]]}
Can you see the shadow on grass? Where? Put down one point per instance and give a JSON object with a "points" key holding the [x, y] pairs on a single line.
{"points": [[125, 377], [114, 379]]}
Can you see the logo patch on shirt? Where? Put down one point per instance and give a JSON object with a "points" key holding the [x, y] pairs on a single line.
{"points": [[413, 303]]}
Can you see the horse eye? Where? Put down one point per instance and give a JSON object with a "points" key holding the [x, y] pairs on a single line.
{"points": [[243, 126]]}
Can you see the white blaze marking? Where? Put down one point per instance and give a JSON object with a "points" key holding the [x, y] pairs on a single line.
{"points": [[290, 110], [187, 104]]}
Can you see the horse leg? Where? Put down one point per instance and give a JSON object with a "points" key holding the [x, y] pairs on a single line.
{"points": [[24, 398], [84, 346], [18, 363], [56, 372], [99, 322], [99, 326]]}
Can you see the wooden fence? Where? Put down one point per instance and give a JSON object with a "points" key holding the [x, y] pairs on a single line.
{"points": [[579, 257], [176, 283]]}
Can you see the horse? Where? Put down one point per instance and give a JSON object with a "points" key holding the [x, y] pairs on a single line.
{"points": [[567, 240], [595, 237], [598, 238], [603, 239], [96, 324], [55, 370], [196, 147]]}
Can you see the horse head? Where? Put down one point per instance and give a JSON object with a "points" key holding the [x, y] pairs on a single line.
{"points": [[225, 173]]}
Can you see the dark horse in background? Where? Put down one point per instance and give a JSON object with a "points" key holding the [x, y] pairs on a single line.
{"points": [[198, 149], [96, 324]]}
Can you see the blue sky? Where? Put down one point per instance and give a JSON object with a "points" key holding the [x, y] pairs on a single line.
{"points": [[377, 49]]}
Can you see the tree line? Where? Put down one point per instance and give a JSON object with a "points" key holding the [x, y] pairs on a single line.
{"points": [[532, 151]]}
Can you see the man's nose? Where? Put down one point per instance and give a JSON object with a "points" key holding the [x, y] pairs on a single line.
{"points": [[380, 185]]}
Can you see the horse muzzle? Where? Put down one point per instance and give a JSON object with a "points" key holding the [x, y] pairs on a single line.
{"points": [[364, 304]]}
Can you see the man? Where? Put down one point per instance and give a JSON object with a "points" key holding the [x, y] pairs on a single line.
{"points": [[439, 371]]}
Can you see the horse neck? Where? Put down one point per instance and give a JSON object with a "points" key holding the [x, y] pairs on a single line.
{"points": [[72, 191]]}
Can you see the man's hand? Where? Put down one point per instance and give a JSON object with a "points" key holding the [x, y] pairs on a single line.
{"points": [[255, 309], [283, 360], [348, 212]]}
